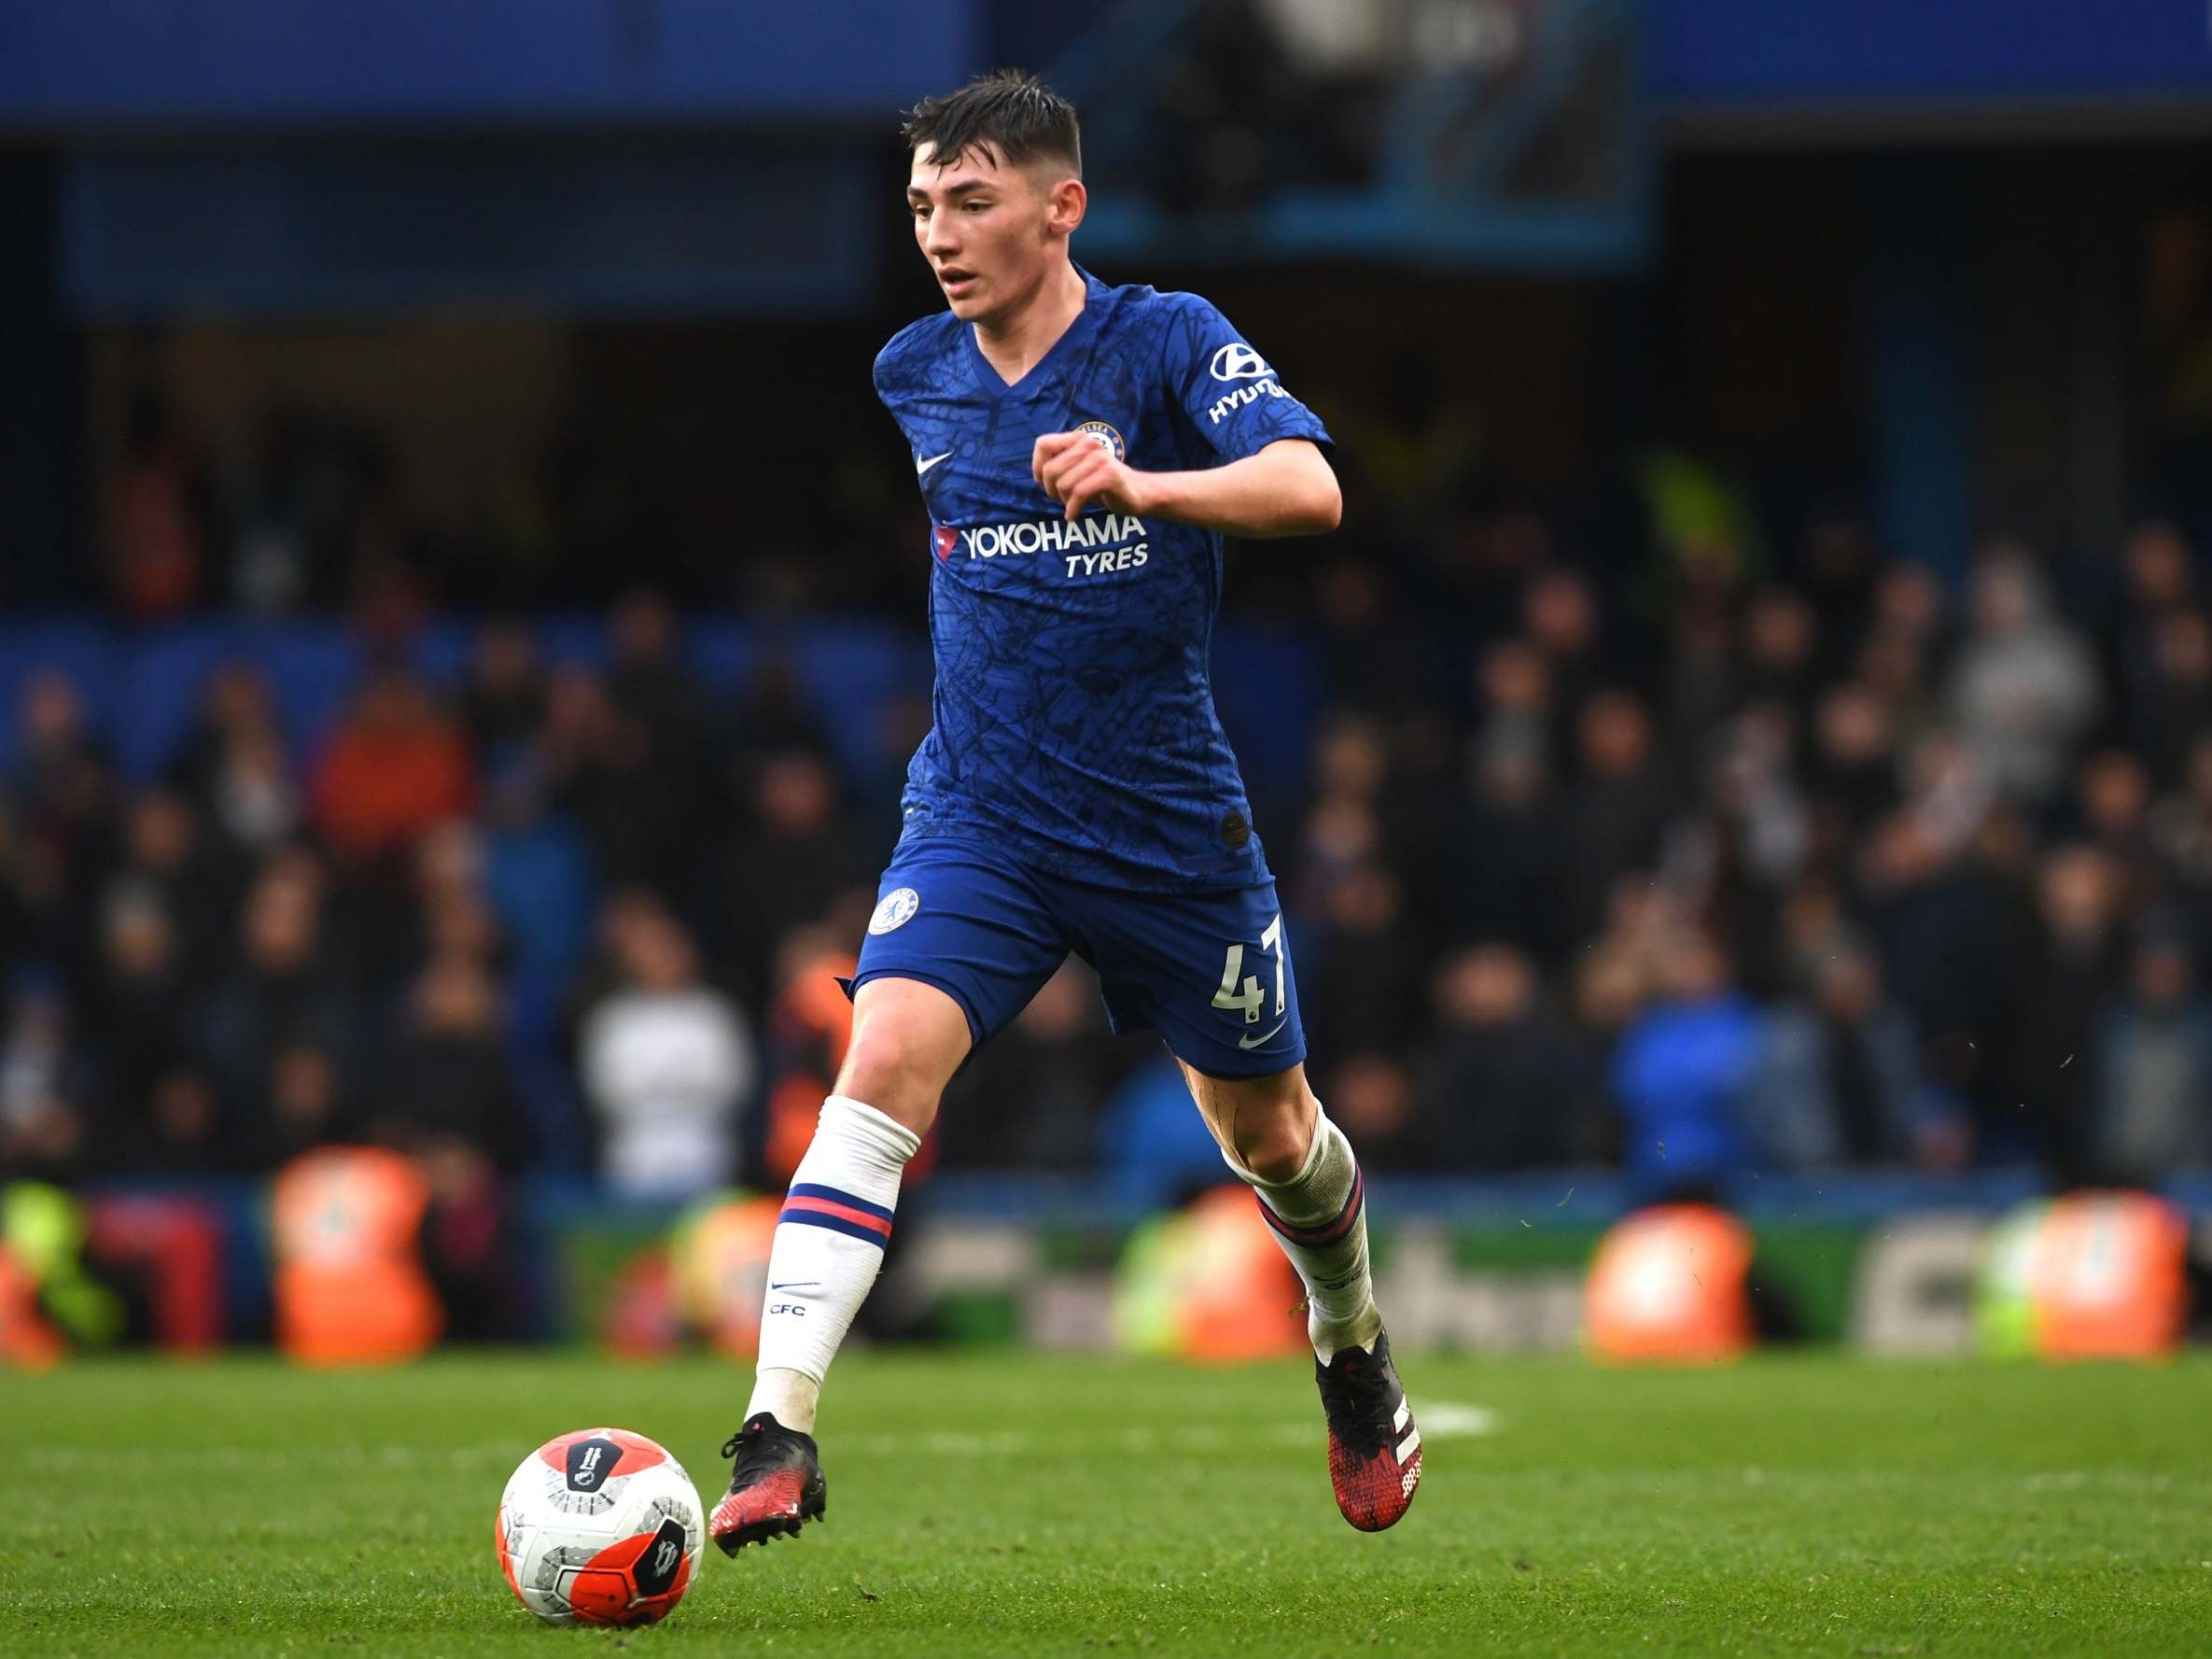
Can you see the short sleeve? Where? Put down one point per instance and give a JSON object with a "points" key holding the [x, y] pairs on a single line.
{"points": [[1230, 396]]}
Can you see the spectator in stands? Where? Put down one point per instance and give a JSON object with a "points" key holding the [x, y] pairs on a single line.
{"points": [[155, 510], [539, 879], [447, 879], [795, 855], [1744, 850], [1840, 567], [1351, 759], [668, 1064], [446, 1100], [2173, 706], [2157, 579], [1030, 1099], [282, 996], [2023, 688], [64, 799], [46, 1129], [1377, 658], [1609, 989], [181, 1130], [1943, 921], [167, 858], [1853, 767], [629, 770], [395, 767], [140, 1008], [1514, 714], [2151, 1107], [1685, 1069], [1781, 651], [2113, 803], [445, 1075], [2180, 825], [1502, 1085], [1909, 611], [1361, 959], [1617, 809], [1372, 1096], [504, 702], [774, 712], [1504, 862], [648, 678], [302, 1102], [1339, 837], [1839, 1080], [1701, 687], [1558, 613], [233, 766], [573, 749], [2072, 962]]}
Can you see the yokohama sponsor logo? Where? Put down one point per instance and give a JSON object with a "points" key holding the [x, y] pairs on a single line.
{"points": [[1050, 535]]}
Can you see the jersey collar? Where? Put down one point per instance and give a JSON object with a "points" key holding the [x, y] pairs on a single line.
{"points": [[1070, 341]]}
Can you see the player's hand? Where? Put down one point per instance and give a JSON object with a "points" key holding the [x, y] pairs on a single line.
{"points": [[1079, 472]]}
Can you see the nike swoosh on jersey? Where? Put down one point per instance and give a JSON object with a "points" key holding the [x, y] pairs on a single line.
{"points": [[1255, 1041], [920, 466], [798, 1284]]}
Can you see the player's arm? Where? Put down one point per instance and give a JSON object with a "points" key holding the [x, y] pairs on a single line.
{"points": [[1286, 488]]}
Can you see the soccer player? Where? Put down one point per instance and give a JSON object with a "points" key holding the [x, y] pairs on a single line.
{"points": [[1081, 449]]}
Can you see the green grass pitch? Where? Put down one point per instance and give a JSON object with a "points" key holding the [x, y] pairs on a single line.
{"points": [[1001, 1504]]}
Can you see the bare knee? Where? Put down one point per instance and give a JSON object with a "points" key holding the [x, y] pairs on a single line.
{"points": [[1274, 1144], [1266, 1123], [908, 1039]]}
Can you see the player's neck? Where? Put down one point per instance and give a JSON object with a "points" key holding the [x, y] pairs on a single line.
{"points": [[1016, 342]]}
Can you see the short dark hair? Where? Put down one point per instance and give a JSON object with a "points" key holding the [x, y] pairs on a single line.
{"points": [[1009, 115]]}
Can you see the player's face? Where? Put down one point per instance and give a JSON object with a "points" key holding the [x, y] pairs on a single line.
{"points": [[990, 232]]}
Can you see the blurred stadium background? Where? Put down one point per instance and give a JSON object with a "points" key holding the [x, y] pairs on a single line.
{"points": [[460, 637]]}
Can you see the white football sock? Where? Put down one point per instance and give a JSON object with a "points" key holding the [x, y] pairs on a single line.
{"points": [[829, 1243], [1320, 1218]]}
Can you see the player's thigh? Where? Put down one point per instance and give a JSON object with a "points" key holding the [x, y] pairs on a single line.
{"points": [[952, 934], [1211, 972]]}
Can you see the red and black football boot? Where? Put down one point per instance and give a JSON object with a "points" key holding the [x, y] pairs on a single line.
{"points": [[777, 1484], [1374, 1448]]}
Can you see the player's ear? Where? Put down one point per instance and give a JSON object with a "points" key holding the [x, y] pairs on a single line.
{"points": [[1065, 203]]}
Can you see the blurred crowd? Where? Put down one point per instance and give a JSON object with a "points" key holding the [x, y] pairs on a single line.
{"points": [[1734, 865], [1828, 864]]}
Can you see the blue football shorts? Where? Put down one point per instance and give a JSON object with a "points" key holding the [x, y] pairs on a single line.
{"points": [[1209, 971]]}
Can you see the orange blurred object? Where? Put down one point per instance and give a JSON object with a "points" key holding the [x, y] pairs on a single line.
{"points": [[2109, 1278], [350, 1285], [1668, 1288], [722, 1268], [26, 1339], [809, 1027], [1236, 1294]]}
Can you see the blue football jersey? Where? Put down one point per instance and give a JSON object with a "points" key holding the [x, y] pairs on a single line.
{"points": [[1075, 720]]}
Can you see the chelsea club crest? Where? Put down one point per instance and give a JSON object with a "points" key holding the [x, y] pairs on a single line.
{"points": [[1106, 437], [896, 911]]}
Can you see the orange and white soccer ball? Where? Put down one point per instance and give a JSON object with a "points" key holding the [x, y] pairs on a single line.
{"points": [[601, 1526]]}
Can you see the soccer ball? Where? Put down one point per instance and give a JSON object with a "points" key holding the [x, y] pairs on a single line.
{"points": [[601, 1526]]}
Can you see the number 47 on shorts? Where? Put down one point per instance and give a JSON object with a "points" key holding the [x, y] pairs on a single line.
{"points": [[1247, 996]]}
